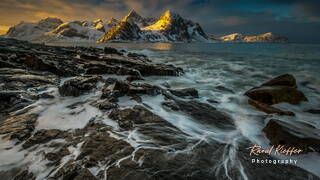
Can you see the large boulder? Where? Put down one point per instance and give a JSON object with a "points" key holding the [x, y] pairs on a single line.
{"points": [[269, 109], [78, 85], [278, 90], [280, 133]]}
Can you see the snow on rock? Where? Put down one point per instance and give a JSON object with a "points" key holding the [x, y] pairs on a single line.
{"points": [[31, 31], [266, 37], [170, 27]]}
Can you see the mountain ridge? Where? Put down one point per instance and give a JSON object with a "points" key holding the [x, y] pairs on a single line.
{"points": [[133, 27], [265, 37]]}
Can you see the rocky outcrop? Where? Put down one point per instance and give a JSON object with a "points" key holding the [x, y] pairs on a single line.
{"points": [[280, 133], [280, 89], [267, 37], [202, 112], [117, 88], [187, 92], [78, 85]]}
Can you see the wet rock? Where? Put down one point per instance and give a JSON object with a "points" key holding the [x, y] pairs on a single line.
{"points": [[45, 96], [150, 125], [74, 171], [212, 101], [279, 89], [136, 55], [187, 92], [269, 109], [100, 147], [36, 63], [128, 117], [78, 85], [24, 175], [280, 133], [134, 78], [204, 113], [282, 80], [18, 127], [121, 88], [43, 136], [109, 50], [12, 101], [106, 105], [313, 111]]}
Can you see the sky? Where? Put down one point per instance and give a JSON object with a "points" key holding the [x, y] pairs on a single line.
{"points": [[299, 20]]}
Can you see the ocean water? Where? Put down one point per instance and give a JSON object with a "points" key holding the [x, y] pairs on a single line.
{"points": [[223, 73]]}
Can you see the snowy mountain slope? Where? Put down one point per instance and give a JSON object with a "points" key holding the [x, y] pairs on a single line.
{"points": [[126, 30], [169, 27], [31, 31], [266, 37]]}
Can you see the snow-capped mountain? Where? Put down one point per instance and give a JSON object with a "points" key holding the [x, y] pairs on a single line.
{"points": [[77, 31], [31, 31], [169, 27], [55, 30], [266, 37]]}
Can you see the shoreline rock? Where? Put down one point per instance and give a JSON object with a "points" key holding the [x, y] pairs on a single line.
{"points": [[280, 89]]}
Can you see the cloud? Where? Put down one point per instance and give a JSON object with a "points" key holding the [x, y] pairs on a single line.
{"points": [[307, 11], [232, 21]]}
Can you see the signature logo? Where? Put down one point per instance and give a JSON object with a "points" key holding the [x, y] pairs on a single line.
{"points": [[278, 150]]}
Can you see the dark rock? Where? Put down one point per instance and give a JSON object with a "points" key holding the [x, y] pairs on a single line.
{"points": [[100, 147], [313, 111], [18, 127], [222, 88], [212, 101], [106, 105], [280, 133], [12, 101], [204, 113], [45, 96], [134, 78], [78, 85], [150, 125], [136, 55], [269, 109], [127, 118], [187, 92], [110, 50], [121, 88], [283, 80], [24, 175], [36, 63], [73, 171], [279, 89], [43, 136], [276, 94]]}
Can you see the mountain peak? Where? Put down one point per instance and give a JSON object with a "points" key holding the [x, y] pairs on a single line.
{"points": [[133, 15]]}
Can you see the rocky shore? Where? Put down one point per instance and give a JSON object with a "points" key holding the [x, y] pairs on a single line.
{"points": [[117, 141]]}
